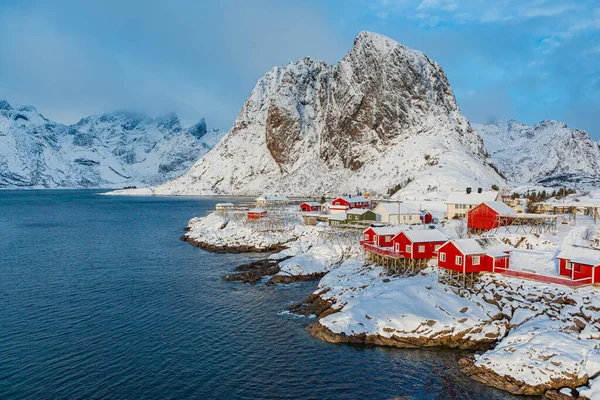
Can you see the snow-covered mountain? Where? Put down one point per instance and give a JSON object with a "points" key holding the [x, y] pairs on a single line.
{"points": [[382, 117], [111, 150], [548, 153]]}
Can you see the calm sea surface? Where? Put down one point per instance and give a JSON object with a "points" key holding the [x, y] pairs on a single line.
{"points": [[100, 299]]}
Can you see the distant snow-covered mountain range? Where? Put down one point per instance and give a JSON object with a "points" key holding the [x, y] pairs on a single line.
{"points": [[111, 150], [382, 120], [548, 153]]}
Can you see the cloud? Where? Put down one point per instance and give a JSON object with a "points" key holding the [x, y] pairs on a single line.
{"points": [[199, 59]]}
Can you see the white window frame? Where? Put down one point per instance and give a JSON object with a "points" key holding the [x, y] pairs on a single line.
{"points": [[443, 257], [476, 260], [459, 260], [366, 236], [408, 248], [569, 265], [397, 247], [421, 249]]}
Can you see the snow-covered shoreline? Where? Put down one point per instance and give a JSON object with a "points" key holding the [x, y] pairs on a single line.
{"points": [[531, 337]]}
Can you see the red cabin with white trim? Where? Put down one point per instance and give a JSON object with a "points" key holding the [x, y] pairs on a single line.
{"points": [[580, 263], [419, 244], [344, 203], [426, 217], [485, 215], [256, 213], [381, 236], [310, 206], [474, 255]]}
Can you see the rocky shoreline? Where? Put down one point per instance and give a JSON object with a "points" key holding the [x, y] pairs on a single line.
{"points": [[233, 249], [512, 324]]}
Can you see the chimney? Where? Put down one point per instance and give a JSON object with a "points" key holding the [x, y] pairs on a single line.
{"points": [[468, 190], [479, 190]]}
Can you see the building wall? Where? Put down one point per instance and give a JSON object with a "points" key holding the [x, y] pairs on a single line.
{"points": [[458, 209], [384, 240], [451, 251], [482, 217], [400, 242], [580, 270], [369, 235]]}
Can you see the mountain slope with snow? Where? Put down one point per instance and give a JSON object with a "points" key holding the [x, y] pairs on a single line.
{"points": [[548, 153], [111, 150], [384, 116]]}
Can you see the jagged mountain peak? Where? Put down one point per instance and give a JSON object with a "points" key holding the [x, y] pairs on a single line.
{"points": [[379, 118]]}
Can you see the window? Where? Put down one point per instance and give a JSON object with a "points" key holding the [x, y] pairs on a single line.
{"points": [[421, 249], [458, 260], [443, 257], [397, 246], [408, 248], [476, 260], [569, 265], [366, 236]]}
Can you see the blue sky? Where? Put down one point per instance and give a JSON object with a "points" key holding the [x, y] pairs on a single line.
{"points": [[528, 60]]}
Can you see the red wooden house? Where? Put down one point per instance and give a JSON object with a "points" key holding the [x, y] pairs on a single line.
{"points": [[474, 255], [380, 236], [484, 217], [580, 263], [419, 244], [310, 206], [426, 217], [256, 213], [344, 203]]}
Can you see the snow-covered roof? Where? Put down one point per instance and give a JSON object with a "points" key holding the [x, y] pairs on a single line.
{"points": [[386, 230], [471, 198], [425, 235], [500, 207], [354, 199], [312, 203], [581, 255], [491, 246], [357, 211], [338, 217], [256, 210], [396, 209], [225, 205]]}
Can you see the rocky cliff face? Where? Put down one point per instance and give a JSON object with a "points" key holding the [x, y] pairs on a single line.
{"points": [[110, 150], [547, 153], [384, 116]]}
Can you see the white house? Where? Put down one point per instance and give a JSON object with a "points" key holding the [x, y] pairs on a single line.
{"points": [[224, 207], [264, 201], [459, 203], [397, 213]]}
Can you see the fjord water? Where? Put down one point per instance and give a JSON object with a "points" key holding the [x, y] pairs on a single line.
{"points": [[100, 299]]}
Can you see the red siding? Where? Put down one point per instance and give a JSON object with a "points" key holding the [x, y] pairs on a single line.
{"points": [[305, 207], [384, 240], [400, 242], [482, 217], [427, 218], [350, 204], [369, 235], [485, 262], [340, 202], [257, 215], [579, 271]]}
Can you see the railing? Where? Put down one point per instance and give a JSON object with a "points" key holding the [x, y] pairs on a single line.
{"points": [[545, 278], [382, 251]]}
